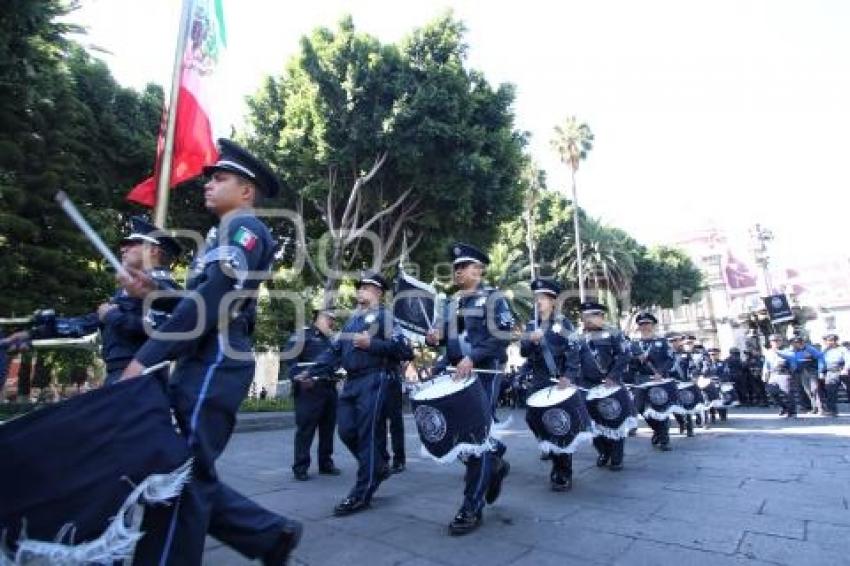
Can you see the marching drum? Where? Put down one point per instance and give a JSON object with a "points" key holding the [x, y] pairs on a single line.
{"points": [[610, 408], [657, 399], [452, 418], [710, 392], [728, 395], [690, 398], [559, 419]]}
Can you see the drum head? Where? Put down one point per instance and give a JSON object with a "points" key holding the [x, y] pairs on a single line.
{"points": [[549, 396], [442, 386]]}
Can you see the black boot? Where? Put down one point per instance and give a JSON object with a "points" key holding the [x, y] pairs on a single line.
{"points": [[690, 426], [502, 470], [349, 506], [464, 522], [601, 445], [286, 542]]}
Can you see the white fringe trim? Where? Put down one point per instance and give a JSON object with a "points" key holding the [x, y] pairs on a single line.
{"points": [[716, 404], [600, 391], [697, 410], [118, 541], [614, 433], [462, 450], [650, 413], [581, 438], [732, 404]]}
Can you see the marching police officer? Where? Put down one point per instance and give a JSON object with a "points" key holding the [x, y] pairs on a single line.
{"points": [[315, 398], [753, 365], [680, 370], [209, 334], [604, 355], [652, 360], [737, 372], [551, 353], [122, 319], [718, 371], [476, 333], [835, 370], [370, 346]]}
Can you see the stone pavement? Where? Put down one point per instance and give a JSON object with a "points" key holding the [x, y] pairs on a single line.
{"points": [[757, 490]]}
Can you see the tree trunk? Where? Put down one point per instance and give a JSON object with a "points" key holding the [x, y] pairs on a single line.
{"points": [[579, 259]]}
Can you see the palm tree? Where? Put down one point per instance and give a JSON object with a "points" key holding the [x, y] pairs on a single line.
{"points": [[572, 141]]}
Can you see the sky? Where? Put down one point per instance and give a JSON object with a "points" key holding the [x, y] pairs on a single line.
{"points": [[707, 113]]}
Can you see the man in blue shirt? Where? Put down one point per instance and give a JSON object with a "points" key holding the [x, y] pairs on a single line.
{"points": [[808, 361], [370, 346]]}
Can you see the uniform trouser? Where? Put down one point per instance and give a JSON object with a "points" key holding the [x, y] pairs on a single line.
{"points": [[562, 467], [612, 449], [359, 414], [831, 384], [740, 382], [479, 469], [809, 382], [660, 429], [205, 397], [758, 390], [784, 399], [798, 396], [395, 417], [685, 421], [315, 408]]}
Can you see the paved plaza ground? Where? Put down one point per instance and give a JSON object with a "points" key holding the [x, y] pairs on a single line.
{"points": [[757, 490]]}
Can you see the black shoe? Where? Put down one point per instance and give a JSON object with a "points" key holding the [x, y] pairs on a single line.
{"points": [[301, 475], [397, 468], [464, 522], [289, 538], [616, 466], [546, 456], [791, 416], [349, 506], [655, 438], [495, 487], [561, 483], [664, 446], [632, 432], [602, 460], [330, 471]]}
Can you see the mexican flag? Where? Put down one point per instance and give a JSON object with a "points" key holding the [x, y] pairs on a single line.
{"points": [[195, 131]]}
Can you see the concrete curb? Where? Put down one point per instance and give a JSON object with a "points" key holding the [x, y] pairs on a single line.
{"points": [[254, 422]]}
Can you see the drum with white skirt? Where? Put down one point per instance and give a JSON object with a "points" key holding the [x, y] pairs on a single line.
{"points": [[711, 392], [728, 395], [559, 419], [657, 399], [690, 398], [452, 418], [610, 408]]}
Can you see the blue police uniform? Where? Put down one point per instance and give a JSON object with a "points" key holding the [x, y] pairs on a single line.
{"points": [[315, 408], [650, 357], [213, 373], [361, 403], [834, 371], [477, 325], [679, 371], [604, 354], [719, 372], [563, 348]]}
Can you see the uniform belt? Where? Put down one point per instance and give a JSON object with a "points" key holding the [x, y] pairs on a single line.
{"points": [[362, 372]]}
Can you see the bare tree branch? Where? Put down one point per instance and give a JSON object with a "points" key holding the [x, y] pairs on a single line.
{"points": [[358, 232]]}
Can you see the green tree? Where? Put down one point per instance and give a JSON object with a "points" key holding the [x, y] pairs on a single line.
{"points": [[64, 124], [390, 138], [663, 277]]}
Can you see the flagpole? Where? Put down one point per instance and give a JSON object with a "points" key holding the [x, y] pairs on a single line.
{"points": [[161, 208]]}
